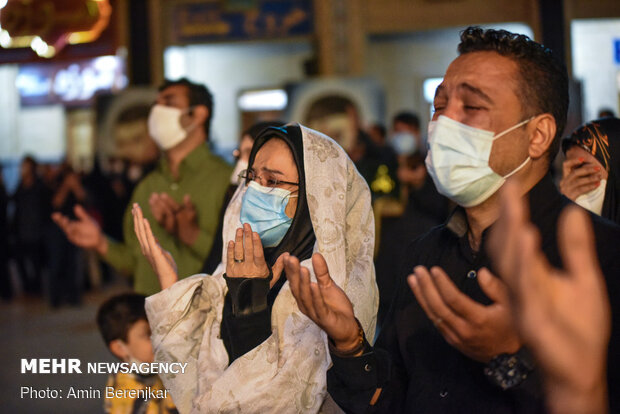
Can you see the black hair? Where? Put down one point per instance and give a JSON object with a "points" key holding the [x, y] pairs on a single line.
{"points": [[117, 315], [197, 94], [255, 129], [408, 118], [543, 87], [380, 128], [29, 159]]}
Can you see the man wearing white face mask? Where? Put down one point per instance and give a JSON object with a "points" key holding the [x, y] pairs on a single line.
{"points": [[185, 192], [449, 343]]}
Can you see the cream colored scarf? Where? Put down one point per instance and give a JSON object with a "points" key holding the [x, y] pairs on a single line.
{"points": [[287, 372]]}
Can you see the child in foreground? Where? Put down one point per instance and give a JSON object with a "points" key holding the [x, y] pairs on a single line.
{"points": [[123, 324]]}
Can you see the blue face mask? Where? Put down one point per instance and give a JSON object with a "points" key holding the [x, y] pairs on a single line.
{"points": [[263, 209]]}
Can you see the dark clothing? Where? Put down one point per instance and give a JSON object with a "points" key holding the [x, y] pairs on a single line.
{"points": [[66, 269], [611, 203], [601, 138], [413, 364], [6, 291], [244, 332], [426, 208], [30, 217]]}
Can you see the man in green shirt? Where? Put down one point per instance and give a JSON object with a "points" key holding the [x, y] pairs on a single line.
{"points": [[182, 197]]}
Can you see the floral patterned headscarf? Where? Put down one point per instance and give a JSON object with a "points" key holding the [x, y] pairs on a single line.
{"points": [[287, 372]]}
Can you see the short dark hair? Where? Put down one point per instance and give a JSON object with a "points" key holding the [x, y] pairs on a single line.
{"points": [[117, 315], [408, 118], [198, 94], [543, 87]]}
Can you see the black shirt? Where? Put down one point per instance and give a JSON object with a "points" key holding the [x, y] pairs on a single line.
{"points": [[418, 370]]}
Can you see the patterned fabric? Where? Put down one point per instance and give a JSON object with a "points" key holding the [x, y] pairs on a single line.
{"points": [[593, 138], [133, 394], [287, 372]]}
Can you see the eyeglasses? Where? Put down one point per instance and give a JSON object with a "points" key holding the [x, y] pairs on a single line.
{"points": [[267, 179]]}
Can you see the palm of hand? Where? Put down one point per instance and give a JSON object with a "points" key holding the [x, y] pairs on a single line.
{"points": [[245, 255], [565, 314], [160, 260]]}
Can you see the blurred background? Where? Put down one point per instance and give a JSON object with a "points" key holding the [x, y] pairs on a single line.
{"points": [[78, 77]]}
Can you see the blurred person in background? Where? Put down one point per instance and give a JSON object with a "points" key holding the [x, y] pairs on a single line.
{"points": [[66, 266], [125, 330], [421, 205], [242, 157], [6, 290], [184, 193], [29, 218], [591, 172], [405, 136], [606, 113]]}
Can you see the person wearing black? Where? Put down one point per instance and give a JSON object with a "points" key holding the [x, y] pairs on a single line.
{"points": [[65, 263], [591, 172], [30, 206], [6, 290], [449, 344]]}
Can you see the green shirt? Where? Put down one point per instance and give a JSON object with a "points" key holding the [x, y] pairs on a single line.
{"points": [[202, 175]]}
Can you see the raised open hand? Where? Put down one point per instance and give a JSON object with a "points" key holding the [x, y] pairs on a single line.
{"points": [[579, 177], [187, 221], [563, 315], [161, 261], [163, 211], [83, 232], [324, 302], [480, 332], [245, 256]]}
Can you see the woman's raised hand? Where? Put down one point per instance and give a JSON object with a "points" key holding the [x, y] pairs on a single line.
{"points": [[324, 302], [245, 256], [161, 261]]}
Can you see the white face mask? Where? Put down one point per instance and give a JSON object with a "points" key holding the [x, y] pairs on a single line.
{"points": [[404, 143], [458, 161], [593, 200], [165, 126], [240, 166]]}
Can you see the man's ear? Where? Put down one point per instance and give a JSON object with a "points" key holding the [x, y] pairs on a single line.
{"points": [[200, 113], [542, 131], [119, 349]]}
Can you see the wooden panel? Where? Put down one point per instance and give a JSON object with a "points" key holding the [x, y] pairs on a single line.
{"points": [[396, 16], [588, 9]]}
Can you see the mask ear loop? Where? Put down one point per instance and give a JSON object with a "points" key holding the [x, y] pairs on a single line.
{"points": [[520, 167], [192, 126], [512, 128]]}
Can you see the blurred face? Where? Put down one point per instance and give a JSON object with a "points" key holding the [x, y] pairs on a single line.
{"points": [[138, 343], [403, 127], [479, 90], [26, 169], [177, 96], [274, 162]]}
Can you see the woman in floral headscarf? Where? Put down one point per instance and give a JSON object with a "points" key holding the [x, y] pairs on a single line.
{"points": [[591, 172], [247, 345]]}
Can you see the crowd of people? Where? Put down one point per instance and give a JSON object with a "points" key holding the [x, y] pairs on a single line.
{"points": [[35, 250], [495, 292]]}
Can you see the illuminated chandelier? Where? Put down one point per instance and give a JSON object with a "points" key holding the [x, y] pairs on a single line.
{"points": [[47, 26]]}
